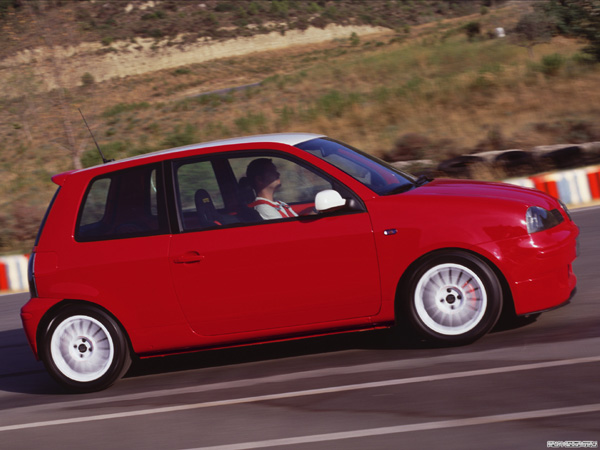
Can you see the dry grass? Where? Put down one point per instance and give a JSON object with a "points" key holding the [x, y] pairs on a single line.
{"points": [[368, 96]]}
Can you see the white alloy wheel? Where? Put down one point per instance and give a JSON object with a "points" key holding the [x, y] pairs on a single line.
{"points": [[450, 299], [82, 348]]}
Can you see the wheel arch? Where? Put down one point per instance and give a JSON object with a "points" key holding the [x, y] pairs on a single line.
{"points": [[507, 297], [52, 313]]}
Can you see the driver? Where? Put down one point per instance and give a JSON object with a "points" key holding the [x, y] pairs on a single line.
{"points": [[264, 179]]}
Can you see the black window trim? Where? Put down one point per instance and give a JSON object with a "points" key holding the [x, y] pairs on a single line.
{"points": [[45, 218]]}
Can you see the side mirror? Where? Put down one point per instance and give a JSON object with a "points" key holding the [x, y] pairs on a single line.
{"points": [[328, 199]]}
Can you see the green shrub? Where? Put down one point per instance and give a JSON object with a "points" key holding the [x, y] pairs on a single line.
{"points": [[584, 59], [472, 30], [251, 122], [215, 130], [182, 71], [279, 8], [335, 103], [124, 107], [180, 137], [87, 79], [482, 84], [225, 6], [331, 13], [552, 64], [156, 15], [253, 9], [313, 8], [286, 115], [156, 33], [579, 18]]}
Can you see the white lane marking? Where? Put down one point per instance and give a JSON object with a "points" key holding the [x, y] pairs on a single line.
{"points": [[308, 392], [379, 367], [482, 420], [581, 208]]}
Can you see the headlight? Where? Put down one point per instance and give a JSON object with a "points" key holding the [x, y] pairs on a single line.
{"points": [[539, 219]]}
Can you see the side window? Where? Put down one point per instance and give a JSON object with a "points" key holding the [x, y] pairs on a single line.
{"points": [[123, 204], [276, 187], [197, 175], [234, 189], [199, 197], [298, 184]]}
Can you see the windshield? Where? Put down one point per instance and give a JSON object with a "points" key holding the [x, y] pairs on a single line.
{"points": [[372, 172]]}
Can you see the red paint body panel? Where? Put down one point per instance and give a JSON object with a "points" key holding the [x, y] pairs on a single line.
{"points": [[283, 279], [451, 214], [282, 274]]}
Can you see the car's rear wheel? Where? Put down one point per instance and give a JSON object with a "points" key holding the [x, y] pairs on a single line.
{"points": [[453, 298], [84, 349]]}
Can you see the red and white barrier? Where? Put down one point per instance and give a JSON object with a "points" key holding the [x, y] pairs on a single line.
{"points": [[593, 176], [13, 273], [573, 187]]}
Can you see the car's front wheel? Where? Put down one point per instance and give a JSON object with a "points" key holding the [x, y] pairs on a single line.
{"points": [[452, 298], [84, 349]]}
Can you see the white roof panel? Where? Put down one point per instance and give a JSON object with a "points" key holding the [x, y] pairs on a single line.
{"points": [[278, 138]]}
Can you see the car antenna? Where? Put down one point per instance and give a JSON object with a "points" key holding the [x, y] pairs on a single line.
{"points": [[104, 160]]}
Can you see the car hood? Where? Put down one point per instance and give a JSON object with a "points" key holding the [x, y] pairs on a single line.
{"points": [[485, 190], [460, 210]]}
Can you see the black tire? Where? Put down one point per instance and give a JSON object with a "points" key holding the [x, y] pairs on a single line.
{"points": [[452, 298], [85, 349]]}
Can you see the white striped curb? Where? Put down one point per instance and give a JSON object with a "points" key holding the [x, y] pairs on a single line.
{"points": [[573, 187]]}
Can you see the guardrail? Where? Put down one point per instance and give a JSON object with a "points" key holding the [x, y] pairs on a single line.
{"points": [[573, 187]]}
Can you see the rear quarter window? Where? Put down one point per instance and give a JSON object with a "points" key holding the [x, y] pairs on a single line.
{"points": [[126, 203], [94, 206]]}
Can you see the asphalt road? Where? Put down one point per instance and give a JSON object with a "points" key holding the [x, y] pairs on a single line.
{"points": [[516, 388]]}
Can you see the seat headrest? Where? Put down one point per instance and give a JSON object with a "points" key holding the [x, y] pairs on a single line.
{"points": [[245, 191], [203, 200]]}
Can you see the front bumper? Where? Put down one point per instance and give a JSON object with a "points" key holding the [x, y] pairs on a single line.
{"points": [[538, 267]]}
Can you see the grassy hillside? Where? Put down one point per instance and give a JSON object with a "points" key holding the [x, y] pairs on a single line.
{"points": [[422, 91], [107, 21]]}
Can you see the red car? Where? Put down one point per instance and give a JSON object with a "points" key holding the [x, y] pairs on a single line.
{"points": [[277, 237]]}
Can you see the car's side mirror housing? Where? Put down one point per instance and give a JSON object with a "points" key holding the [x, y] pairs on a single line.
{"points": [[328, 200]]}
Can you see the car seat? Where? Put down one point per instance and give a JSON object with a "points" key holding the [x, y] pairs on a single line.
{"points": [[207, 213], [245, 197]]}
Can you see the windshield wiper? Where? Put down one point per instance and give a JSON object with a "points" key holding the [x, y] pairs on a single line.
{"points": [[423, 179], [400, 189]]}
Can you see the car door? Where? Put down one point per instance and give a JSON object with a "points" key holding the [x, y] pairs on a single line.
{"points": [[244, 276]]}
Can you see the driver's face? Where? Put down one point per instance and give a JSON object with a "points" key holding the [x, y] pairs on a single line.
{"points": [[271, 176]]}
